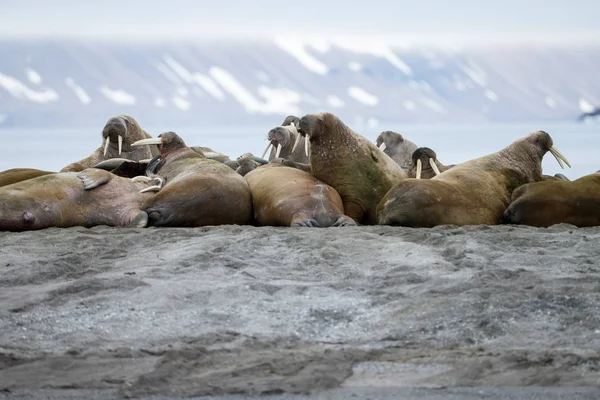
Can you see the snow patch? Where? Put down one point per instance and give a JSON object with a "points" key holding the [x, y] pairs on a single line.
{"points": [[168, 73], [475, 73], [178, 68], [550, 102], [19, 90], [366, 46], [209, 86], [409, 105], [160, 102], [354, 66], [235, 88], [335, 101], [181, 103], [434, 105], [491, 95], [322, 46], [118, 96], [279, 101], [586, 106], [81, 94], [363, 96], [33, 76], [296, 48]]}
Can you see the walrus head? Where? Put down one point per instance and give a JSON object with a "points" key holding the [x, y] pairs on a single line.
{"points": [[281, 136], [388, 139], [313, 126], [167, 142], [424, 158], [539, 143], [118, 132]]}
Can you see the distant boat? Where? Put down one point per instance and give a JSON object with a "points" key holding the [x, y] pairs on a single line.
{"points": [[591, 114]]}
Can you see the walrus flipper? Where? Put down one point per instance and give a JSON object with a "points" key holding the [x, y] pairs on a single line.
{"points": [[140, 220], [93, 177], [344, 221], [309, 223]]}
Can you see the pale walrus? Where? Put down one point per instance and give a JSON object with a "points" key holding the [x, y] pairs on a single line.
{"points": [[397, 147], [87, 198], [547, 203], [286, 142], [472, 193], [118, 135], [353, 165], [425, 165], [15, 175], [197, 191], [284, 196]]}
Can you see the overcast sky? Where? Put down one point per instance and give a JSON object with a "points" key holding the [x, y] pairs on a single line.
{"points": [[138, 19]]}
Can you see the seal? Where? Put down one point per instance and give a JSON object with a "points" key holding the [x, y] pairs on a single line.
{"points": [[87, 198], [397, 147], [286, 142], [196, 191], [15, 175], [360, 172], [425, 165], [472, 193], [118, 135], [284, 196], [547, 203]]}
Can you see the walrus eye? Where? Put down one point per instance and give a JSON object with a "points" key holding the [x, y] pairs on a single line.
{"points": [[320, 121]]}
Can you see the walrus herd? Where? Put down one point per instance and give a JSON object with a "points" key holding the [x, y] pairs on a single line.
{"points": [[319, 173]]}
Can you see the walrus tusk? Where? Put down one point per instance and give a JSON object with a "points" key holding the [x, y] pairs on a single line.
{"points": [[434, 166], [145, 161], [147, 142], [120, 143], [559, 156], [266, 149], [278, 150], [296, 142], [306, 145], [154, 188], [106, 144], [382, 146], [419, 166], [141, 178]]}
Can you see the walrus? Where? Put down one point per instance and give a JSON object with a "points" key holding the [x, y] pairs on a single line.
{"points": [[15, 175], [284, 196], [117, 136], [87, 198], [248, 162], [547, 203], [286, 142], [472, 193], [397, 147], [425, 165], [196, 191], [351, 164]]}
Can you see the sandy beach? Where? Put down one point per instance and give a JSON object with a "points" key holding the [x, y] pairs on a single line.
{"points": [[495, 312]]}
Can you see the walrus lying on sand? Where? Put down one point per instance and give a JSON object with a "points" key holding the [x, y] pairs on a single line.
{"points": [[548, 203], [425, 165], [197, 191], [118, 135], [360, 172], [87, 198], [284, 196], [474, 192], [397, 147], [15, 175]]}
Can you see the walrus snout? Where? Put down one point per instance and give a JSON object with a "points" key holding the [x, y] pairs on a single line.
{"points": [[113, 132]]}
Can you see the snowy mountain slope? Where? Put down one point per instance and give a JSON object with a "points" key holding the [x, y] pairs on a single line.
{"points": [[70, 83]]}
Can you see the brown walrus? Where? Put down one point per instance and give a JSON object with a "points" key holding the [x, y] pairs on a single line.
{"points": [[286, 142], [197, 191], [425, 165], [396, 146], [118, 135], [87, 198], [472, 193], [248, 162], [350, 163], [15, 175], [284, 196], [547, 203]]}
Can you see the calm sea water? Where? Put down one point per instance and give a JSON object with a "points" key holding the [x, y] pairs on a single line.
{"points": [[53, 149]]}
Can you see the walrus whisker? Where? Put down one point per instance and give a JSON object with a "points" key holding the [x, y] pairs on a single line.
{"points": [[382, 146], [120, 143], [419, 167], [306, 145], [296, 143], [266, 149], [278, 150], [434, 166], [557, 154], [146, 142], [106, 144]]}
